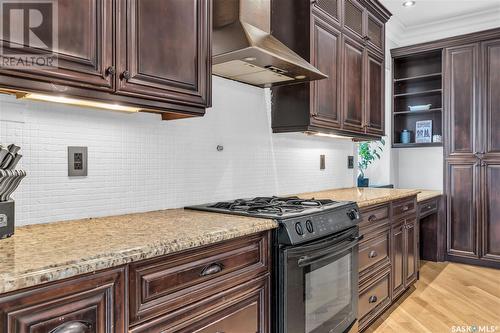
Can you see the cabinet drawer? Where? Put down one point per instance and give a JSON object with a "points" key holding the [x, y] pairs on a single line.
{"points": [[242, 309], [404, 207], [164, 284], [427, 207], [93, 303], [374, 298], [374, 216], [374, 251]]}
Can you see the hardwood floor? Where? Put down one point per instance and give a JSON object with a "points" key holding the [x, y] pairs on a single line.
{"points": [[448, 297]]}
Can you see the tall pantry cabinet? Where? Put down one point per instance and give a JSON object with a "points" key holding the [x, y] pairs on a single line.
{"points": [[472, 151]]}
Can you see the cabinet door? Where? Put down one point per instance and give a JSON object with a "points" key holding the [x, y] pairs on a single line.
{"points": [[461, 80], [491, 97], [375, 33], [326, 57], [353, 87], [93, 303], [354, 18], [331, 7], [490, 208], [84, 48], [398, 260], [411, 251], [164, 50], [374, 108], [462, 211]]}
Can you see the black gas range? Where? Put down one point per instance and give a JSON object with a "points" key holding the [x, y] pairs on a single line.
{"points": [[315, 260], [300, 220]]}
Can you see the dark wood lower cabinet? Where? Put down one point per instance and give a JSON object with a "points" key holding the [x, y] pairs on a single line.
{"points": [[388, 256], [224, 287], [491, 211], [432, 232], [91, 303]]}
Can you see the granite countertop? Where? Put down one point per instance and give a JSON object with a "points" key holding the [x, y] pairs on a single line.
{"points": [[48, 252], [427, 194], [364, 197]]}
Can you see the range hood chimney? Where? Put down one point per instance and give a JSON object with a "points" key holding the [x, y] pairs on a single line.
{"points": [[244, 49]]}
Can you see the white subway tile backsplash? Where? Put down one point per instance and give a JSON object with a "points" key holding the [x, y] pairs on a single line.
{"points": [[139, 163]]}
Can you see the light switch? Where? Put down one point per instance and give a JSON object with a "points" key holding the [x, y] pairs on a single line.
{"points": [[322, 163], [77, 161]]}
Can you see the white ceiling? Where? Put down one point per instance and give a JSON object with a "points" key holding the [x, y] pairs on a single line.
{"points": [[433, 11]]}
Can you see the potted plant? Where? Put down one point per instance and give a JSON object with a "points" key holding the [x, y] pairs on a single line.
{"points": [[367, 153]]}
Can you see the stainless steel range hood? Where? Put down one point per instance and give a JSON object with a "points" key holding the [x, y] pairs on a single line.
{"points": [[244, 49]]}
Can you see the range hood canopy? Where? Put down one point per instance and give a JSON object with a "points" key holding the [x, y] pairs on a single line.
{"points": [[244, 49]]}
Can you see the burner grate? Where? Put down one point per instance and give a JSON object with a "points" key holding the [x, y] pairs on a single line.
{"points": [[272, 205]]}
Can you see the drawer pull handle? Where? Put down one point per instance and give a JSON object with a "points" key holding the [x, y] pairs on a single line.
{"points": [[211, 269], [372, 218], [372, 299], [405, 208], [372, 254], [75, 326]]}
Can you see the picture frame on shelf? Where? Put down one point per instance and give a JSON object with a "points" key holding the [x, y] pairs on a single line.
{"points": [[423, 131]]}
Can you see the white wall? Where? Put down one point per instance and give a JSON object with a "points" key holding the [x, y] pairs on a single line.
{"points": [[139, 163]]}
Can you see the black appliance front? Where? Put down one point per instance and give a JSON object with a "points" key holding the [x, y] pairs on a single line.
{"points": [[316, 285]]}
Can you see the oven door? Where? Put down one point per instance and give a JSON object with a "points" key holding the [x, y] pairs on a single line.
{"points": [[319, 285]]}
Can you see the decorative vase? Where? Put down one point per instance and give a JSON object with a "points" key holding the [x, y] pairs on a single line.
{"points": [[363, 182]]}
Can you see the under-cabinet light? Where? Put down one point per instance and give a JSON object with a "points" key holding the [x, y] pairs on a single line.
{"points": [[330, 135], [80, 102], [408, 3]]}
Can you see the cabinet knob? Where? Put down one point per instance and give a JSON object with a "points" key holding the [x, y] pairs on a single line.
{"points": [[372, 299], [405, 208], [372, 254], [483, 163], [372, 218], [126, 75], [75, 326], [110, 71]]}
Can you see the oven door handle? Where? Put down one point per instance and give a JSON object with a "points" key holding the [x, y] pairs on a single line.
{"points": [[330, 252]]}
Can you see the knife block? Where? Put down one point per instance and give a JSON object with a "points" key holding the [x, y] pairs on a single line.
{"points": [[6, 219]]}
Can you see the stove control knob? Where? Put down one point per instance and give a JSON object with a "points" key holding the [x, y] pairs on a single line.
{"points": [[298, 228], [309, 226], [353, 214]]}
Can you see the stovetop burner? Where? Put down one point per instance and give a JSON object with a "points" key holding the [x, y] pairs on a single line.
{"points": [[272, 205]]}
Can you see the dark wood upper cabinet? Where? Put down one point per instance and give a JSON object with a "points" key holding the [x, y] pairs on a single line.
{"points": [[461, 99], [375, 31], [354, 17], [163, 49], [462, 197], [353, 92], [375, 108], [326, 57], [490, 52], [84, 49], [330, 7], [153, 55], [344, 39]]}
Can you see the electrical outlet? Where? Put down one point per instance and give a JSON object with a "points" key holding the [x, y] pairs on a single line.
{"points": [[350, 162], [322, 165], [77, 161]]}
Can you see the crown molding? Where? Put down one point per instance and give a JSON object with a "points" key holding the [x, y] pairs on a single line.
{"points": [[402, 34]]}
